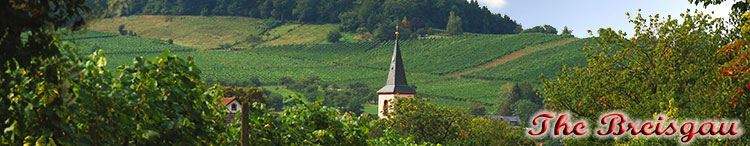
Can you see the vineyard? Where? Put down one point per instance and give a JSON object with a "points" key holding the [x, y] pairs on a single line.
{"points": [[529, 67], [117, 44], [428, 61], [443, 56]]}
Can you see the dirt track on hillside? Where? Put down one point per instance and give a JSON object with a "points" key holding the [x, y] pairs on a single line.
{"points": [[513, 56]]}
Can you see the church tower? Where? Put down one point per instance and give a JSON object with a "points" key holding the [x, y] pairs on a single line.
{"points": [[396, 85]]}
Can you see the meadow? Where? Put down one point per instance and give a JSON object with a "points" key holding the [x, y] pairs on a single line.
{"points": [[208, 32]]}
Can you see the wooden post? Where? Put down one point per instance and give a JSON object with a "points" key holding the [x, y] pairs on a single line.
{"points": [[255, 95], [244, 122]]}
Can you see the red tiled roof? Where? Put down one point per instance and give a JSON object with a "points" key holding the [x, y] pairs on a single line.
{"points": [[227, 100]]}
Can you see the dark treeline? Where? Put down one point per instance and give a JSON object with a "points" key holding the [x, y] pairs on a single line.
{"points": [[353, 14]]}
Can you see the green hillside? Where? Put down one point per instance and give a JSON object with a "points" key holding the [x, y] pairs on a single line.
{"points": [[209, 32], [529, 67], [430, 63]]}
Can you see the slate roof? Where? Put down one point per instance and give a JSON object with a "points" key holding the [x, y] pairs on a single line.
{"points": [[512, 120], [396, 82]]}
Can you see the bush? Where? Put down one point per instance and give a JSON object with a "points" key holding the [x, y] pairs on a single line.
{"points": [[122, 30], [70, 100], [333, 36]]}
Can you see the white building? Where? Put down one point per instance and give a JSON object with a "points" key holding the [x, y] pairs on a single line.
{"points": [[233, 105], [396, 85]]}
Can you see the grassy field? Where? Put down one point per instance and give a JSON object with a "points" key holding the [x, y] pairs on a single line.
{"points": [[429, 62], [209, 32]]}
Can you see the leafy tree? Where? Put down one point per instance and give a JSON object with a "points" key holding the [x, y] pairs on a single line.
{"points": [[541, 29], [454, 25], [413, 117], [306, 10], [685, 69], [304, 124], [286, 81], [122, 30], [483, 131], [549, 29], [524, 108], [275, 101], [477, 109], [25, 36], [333, 36], [162, 101], [426, 123], [385, 32], [566, 31], [514, 93]]}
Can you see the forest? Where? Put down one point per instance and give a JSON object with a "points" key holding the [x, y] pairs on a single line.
{"points": [[353, 14]]}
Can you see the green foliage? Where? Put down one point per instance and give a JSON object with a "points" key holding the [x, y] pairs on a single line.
{"points": [[122, 48], [348, 99], [566, 31], [454, 25], [668, 67], [122, 30], [483, 131], [333, 36], [427, 123], [304, 124], [70, 100], [477, 109], [519, 99], [541, 29], [28, 26], [413, 117], [246, 94], [351, 13], [524, 108]]}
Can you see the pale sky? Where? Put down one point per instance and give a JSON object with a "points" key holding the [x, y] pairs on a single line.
{"points": [[583, 15]]}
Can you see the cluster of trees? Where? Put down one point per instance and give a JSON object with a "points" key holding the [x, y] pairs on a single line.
{"points": [[353, 14], [694, 68], [413, 122], [349, 98], [427, 123], [520, 100], [123, 31], [541, 29]]}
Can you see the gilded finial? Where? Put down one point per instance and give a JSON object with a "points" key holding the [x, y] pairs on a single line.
{"points": [[396, 30]]}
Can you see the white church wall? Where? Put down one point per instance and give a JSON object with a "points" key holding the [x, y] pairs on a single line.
{"points": [[382, 98]]}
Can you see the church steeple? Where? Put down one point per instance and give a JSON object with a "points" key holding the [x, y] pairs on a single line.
{"points": [[396, 82]]}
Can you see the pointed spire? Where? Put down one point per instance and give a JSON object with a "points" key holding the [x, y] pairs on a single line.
{"points": [[396, 82]]}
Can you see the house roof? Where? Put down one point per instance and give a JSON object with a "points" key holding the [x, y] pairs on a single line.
{"points": [[227, 100], [396, 82], [512, 120]]}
